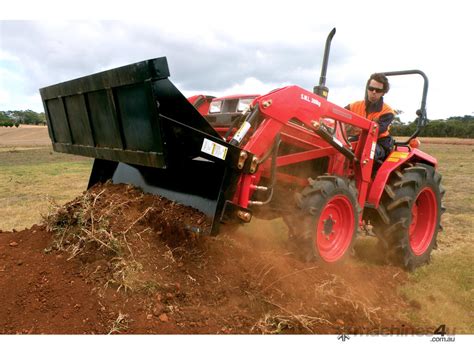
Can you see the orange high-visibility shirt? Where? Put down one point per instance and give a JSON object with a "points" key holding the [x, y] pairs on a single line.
{"points": [[359, 108]]}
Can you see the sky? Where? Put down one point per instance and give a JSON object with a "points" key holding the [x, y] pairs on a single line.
{"points": [[246, 47]]}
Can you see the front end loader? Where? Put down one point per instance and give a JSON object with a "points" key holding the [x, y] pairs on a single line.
{"points": [[286, 156]]}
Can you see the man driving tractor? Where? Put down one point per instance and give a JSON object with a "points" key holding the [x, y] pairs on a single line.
{"points": [[375, 109]]}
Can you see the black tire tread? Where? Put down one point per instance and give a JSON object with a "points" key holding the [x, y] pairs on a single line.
{"points": [[310, 203], [397, 199]]}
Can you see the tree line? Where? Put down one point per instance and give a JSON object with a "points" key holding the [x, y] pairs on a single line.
{"points": [[15, 118], [456, 126]]}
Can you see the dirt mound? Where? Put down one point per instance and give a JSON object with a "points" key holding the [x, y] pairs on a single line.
{"points": [[111, 262]]}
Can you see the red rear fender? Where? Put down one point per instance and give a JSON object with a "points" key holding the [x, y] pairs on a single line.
{"points": [[393, 161]]}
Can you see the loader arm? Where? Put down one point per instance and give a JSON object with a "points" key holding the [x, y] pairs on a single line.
{"points": [[280, 108]]}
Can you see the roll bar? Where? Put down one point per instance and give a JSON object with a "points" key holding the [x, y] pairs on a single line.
{"points": [[422, 119]]}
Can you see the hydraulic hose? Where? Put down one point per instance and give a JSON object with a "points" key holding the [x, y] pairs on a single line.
{"points": [[274, 154]]}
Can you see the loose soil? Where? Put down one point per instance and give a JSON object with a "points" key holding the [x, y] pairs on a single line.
{"points": [[115, 261]]}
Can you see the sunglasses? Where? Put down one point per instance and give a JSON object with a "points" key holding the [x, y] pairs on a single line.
{"points": [[377, 90]]}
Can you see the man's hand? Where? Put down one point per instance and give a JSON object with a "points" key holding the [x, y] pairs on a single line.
{"points": [[353, 131]]}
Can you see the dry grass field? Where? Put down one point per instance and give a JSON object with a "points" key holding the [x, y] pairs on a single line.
{"points": [[445, 288], [31, 175], [24, 136]]}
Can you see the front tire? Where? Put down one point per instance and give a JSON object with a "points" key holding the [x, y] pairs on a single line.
{"points": [[330, 218]]}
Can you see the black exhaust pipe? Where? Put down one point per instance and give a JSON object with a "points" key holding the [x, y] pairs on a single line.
{"points": [[321, 89]]}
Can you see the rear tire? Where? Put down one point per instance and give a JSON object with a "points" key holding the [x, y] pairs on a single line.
{"points": [[330, 217], [412, 200]]}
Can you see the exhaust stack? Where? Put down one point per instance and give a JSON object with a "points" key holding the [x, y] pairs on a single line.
{"points": [[321, 89]]}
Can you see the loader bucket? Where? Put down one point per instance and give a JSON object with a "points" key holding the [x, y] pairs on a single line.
{"points": [[142, 131]]}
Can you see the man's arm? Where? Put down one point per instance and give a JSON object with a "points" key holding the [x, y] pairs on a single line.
{"points": [[351, 130], [385, 121]]}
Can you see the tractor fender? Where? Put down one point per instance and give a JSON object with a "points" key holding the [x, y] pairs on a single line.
{"points": [[396, 158]]}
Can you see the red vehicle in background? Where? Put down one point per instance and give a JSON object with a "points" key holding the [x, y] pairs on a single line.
{"points": [[201, 103], [222, 112]]}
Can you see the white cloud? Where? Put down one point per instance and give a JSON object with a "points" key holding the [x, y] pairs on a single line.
{"points": [[220, 47], [5, 98], [252, 86]]}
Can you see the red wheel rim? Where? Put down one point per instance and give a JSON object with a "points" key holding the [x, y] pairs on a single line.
{"points": [[335, 228], [424, 215]]}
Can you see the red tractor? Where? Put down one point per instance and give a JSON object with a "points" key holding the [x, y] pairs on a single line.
{"points": [[285, 155]]}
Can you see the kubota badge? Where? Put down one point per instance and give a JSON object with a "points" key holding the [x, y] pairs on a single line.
{"points": [[214, 149]]}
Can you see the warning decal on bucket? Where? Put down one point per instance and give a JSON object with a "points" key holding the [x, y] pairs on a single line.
{"points": [[214, 149]]}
